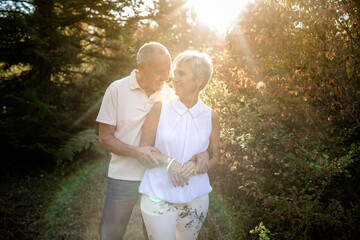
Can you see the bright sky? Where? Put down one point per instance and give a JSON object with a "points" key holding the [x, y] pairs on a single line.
{"points": [[218, 14]]}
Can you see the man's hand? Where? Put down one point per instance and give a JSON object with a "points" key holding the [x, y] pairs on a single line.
{"points": [[175, 175], [145, 156], [202, 162]]}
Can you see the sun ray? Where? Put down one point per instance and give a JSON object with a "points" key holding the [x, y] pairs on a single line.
{"points": [[218, 14]]}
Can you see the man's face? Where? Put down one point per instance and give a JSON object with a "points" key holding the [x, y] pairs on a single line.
{"points": [[157, 71]]}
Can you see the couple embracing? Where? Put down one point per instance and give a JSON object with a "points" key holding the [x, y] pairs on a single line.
{"points": [[162, 144]]}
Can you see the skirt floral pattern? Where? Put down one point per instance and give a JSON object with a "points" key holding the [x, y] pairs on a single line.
{"points": [[180, 221]]}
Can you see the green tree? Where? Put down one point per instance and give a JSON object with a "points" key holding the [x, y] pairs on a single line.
{"points": [[176, 26], [56, 57]]}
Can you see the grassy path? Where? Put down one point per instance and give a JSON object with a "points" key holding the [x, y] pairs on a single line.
{"points": [[76, 211], [53, 207]]}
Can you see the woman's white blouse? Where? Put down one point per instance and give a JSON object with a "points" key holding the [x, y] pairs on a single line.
{"points": [[181, 133]]}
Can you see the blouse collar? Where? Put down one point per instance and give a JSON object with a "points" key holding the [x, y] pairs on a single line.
{"points": [[180, 108]]}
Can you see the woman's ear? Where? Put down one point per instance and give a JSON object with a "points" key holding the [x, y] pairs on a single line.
{"points": [[200, 80]]}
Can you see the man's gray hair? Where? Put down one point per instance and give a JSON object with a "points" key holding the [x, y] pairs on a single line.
{"points": [[147, 50], [200, 64]]}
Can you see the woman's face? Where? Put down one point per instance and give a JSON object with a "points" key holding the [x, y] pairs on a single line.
{"points": [[184, 82]]}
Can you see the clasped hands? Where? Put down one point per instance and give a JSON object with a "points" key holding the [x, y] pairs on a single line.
{"points": [[198, 164], [180, 175]]}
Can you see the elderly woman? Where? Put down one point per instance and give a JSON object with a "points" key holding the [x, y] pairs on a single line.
{"points": [[180, 128]]}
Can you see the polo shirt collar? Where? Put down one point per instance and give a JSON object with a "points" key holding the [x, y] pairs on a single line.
{"points": [[181, 109], [133, 81], [165, 92]]}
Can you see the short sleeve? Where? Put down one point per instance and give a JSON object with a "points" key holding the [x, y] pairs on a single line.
{"points": [[108, 110]]}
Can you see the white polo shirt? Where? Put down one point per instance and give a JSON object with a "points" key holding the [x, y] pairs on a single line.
{"points": [[126, 105]]}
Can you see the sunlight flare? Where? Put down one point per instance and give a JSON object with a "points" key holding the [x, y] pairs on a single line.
{"points": [[218, 14]]}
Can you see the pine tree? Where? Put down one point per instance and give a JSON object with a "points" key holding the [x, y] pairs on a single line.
{"points": [[55, 58]]}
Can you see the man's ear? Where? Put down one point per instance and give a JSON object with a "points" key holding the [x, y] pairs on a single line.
{"points": [[141, 67]]}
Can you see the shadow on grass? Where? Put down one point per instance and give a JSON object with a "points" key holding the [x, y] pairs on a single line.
{"points": [[76, 209]]}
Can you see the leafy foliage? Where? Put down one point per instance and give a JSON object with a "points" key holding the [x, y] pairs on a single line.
{"points": [[85, 140], [55, 56], [288, 99]]}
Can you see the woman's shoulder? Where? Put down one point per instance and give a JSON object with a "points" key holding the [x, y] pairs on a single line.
{"points": [[212, 112], [207, 108]]}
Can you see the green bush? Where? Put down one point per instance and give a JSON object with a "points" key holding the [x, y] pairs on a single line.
{"points": [[286, 87]]}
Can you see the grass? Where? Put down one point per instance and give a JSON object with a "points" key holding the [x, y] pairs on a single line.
{"points": [[24, 200], [75, 211], [55, 207]]}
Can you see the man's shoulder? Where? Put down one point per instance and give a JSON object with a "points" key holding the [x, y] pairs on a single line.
{"points": [[120, 82]]}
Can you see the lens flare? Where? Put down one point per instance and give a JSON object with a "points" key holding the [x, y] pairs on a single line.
{"points": [[218, 14]]}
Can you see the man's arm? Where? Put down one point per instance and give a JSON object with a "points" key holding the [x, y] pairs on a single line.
{"points": [[108, 141]]}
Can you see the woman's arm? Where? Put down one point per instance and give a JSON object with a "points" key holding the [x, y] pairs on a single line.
{"points": [[148, 135], [148, 132], [149, 128], [214, 139]]}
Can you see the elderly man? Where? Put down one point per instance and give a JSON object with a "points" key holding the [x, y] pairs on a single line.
{"points": [[124, 108]]}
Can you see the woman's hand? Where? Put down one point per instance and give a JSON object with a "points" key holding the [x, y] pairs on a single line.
{"points": [[175, 174], [188, 170]]}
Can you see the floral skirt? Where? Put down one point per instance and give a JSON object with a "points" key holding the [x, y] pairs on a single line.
{"points": [[169, 221]]}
